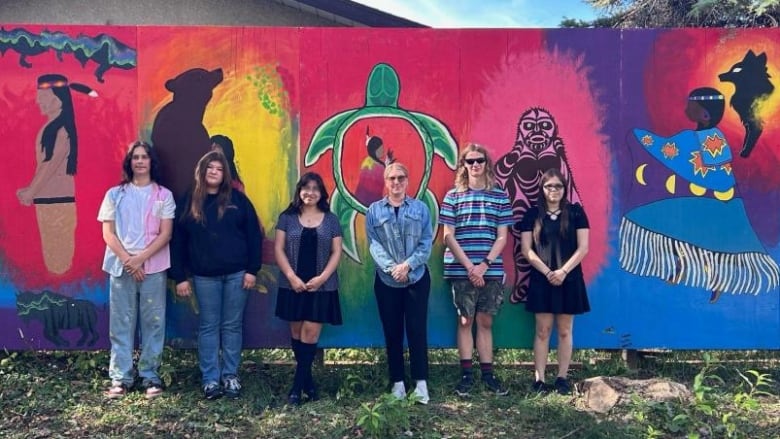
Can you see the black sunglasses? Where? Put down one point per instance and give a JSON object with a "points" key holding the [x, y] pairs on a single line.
{"points": [[480, 160]]}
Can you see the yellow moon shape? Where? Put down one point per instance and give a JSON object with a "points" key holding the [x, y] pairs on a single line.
{"points": [[670, 183], [640, 174], [725, 196], [697, 190]]}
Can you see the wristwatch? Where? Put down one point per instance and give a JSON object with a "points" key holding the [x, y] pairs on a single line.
{"points": [[487, 261]]}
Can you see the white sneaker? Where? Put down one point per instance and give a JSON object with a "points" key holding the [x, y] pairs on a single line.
{"points": [[421, 392], [399, 390]]}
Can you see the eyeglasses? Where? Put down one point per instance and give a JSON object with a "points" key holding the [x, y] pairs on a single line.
{"points": [[398, 178], [480, 160], [553, 187]]}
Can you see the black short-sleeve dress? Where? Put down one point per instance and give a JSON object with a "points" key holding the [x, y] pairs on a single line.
{"points": [[308, 250], [571, 297]]}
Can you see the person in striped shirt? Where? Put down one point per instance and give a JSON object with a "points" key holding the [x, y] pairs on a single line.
{"points": [[476, 216]]}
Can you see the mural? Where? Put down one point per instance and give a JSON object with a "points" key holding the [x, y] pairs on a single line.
{"points": [[382, 94], [666, 136], [538, 147]]}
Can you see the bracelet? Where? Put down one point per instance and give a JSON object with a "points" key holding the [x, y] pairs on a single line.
{"points": [[548, 273], [564, 271]]}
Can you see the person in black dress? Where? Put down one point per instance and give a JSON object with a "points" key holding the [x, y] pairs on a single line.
{"points": [[554, 238], [307, 249]]}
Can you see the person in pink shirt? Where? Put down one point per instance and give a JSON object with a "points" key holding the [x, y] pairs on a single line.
{"points": [[137, 217]]}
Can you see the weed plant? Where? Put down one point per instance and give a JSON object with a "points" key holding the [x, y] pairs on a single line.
{"points": [[61, 394]]}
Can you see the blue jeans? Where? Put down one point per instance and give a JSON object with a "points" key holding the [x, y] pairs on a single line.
{"points": [[129, 300], [221, 301]]}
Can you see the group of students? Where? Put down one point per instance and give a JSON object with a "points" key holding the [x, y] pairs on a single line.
{"points": [[217, 239]]}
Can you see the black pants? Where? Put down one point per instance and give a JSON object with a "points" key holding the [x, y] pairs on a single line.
{"points": [[405, 306]]}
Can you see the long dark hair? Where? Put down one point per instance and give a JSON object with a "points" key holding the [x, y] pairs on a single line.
{"points": [[226, 144], [542, 205], [127, 163], [66, 119], [199, 191], [296, 204]]}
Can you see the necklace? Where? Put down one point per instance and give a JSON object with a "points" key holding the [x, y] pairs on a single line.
{"points": [[554, 215], [310, 219]]}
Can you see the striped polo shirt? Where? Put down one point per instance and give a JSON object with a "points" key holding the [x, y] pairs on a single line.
{"points": [[476, 216]]}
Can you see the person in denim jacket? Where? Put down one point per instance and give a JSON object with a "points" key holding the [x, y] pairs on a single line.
{"points": [[400, 236], [137, 217]]}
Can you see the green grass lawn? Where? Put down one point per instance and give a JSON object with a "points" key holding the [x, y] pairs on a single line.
{"points": [[61, 394]]}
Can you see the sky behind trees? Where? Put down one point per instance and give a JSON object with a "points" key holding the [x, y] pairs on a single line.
{"points": [[485, 13]]}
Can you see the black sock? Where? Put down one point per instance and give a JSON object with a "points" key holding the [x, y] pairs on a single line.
{"points": [[486, 369], [465, 366], [295, 344], [307, 352], [300, 368]]}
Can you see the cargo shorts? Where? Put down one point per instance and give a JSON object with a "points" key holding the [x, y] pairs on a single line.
{"points": [[469, 300]]}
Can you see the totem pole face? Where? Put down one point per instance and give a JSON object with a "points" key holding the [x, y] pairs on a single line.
{"points": [[536, 129]]}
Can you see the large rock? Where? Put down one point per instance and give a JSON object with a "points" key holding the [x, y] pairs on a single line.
{"points": [[601, 394]]}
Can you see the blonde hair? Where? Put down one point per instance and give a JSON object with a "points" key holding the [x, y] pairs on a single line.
{"points": [[462, 174], [396, 165]]}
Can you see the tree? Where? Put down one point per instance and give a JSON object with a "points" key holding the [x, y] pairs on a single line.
{"points": [[682, 13]]}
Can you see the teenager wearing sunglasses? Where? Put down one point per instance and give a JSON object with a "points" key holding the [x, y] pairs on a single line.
{"points": [[476, 216], [554, 240]]}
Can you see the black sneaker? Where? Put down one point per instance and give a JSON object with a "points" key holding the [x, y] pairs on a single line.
{"points": [[492, 383], [562, 386], [212, 391], [540, 387], [465, 385], [294, 398], [312, 394]]}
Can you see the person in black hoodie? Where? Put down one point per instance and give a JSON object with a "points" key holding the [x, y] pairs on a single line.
{"points": [[217, 240]]}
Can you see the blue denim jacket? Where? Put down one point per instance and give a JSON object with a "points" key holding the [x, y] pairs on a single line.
{"points": [[405, 238]]}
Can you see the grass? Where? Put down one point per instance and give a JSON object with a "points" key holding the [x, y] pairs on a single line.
{"points": [[60, 394]]}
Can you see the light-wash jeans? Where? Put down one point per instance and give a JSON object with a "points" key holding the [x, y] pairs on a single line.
{"points": [[130, 300], [221, 302]]}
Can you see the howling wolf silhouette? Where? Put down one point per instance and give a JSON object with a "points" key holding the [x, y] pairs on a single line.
{"points": [[752, 86]]}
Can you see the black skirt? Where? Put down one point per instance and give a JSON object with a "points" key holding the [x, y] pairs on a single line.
{"points": [[318, 306], [569, 298]]}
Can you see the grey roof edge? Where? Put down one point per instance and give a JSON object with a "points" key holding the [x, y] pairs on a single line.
{"points": [[352, 13]]}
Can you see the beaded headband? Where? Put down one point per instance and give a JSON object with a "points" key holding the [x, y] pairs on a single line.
{"points": [[706, 98]]}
